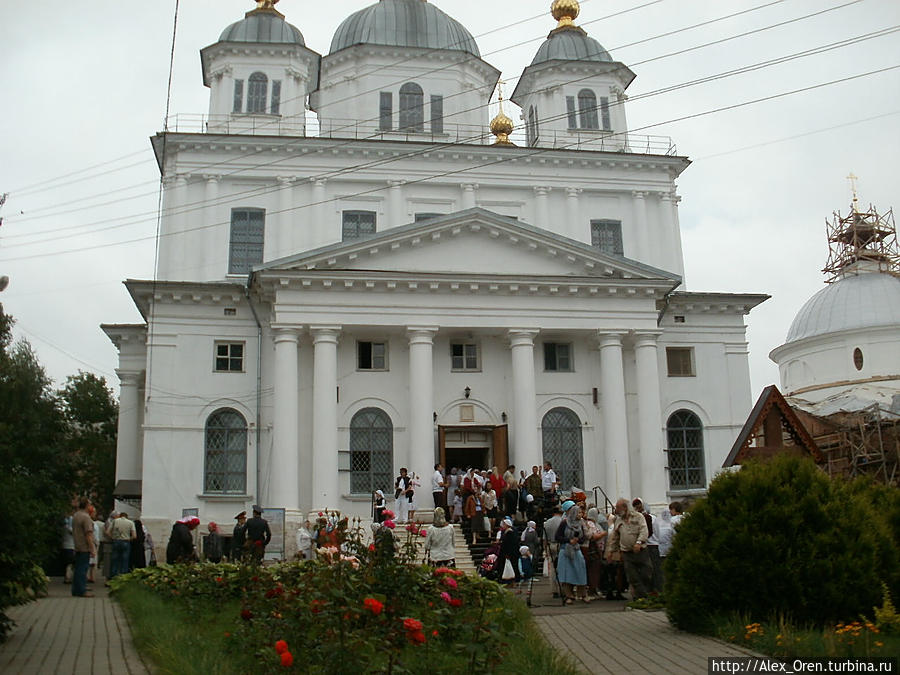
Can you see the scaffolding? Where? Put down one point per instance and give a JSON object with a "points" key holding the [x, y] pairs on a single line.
{"points": [[862, 443], [862, 238]]}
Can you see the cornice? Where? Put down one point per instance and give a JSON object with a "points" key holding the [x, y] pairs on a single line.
{"points": [[713, 303]]}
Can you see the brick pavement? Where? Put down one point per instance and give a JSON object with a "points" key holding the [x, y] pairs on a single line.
{"points": [[61, 634]]}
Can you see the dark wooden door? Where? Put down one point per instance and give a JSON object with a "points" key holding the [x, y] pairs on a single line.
{"points": [[501, 446]]}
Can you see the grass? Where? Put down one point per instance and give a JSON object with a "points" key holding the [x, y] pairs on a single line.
{"points": [[780, 638], [182, 641]]}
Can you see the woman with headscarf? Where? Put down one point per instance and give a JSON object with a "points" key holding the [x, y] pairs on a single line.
{"points": [[570, 567], [440, 544], [379, 507], [180, 548], [213, 545], [138, 557], [593, 550], [529, 537]]}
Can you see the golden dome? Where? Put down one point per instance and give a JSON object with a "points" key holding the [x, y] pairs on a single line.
{"points": [[502, 126], [565, 11]]}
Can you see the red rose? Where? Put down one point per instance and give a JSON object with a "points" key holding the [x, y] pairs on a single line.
{"points": [[246, 614], [450, 582], [387, 513], [371, 547], [287, 659], [373, 605], [456, 602], [281, 646], [320, 513], [423, 533], [417, 637], [434, 633], [219, 580], [389, 524], [412, 625]]}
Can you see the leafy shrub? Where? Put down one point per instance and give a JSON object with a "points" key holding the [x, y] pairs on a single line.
{"points": [[780, 539]]}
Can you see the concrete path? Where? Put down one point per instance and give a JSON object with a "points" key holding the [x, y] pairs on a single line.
{"points": [[61, 634]]}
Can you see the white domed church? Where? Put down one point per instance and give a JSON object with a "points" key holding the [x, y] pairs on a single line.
{"points": [[392, 282]]}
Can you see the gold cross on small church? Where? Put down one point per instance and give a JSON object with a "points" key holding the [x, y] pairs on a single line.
{"points": [[853, 178]]}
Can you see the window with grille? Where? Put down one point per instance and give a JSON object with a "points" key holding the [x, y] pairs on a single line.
{"points": [[229, 357], [684, 432], [371, 452], [385, 111], [276, 97], [226, 452], [562, 446], [557, 357], [464, 356], [357, 224], [437, 114], [238, 96], [248, 227], [257, 89], [371, 355], [607, 236], [412, 107], [680, 361], [587, 109]]}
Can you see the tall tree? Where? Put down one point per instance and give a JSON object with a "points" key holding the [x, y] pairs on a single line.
{"points": [[91, 414]]}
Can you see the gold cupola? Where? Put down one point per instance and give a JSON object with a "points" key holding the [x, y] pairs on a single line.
{"points": [[267, 6], [565, 12], [502, 126]]}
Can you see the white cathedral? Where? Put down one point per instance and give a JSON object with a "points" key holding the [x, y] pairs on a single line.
{"points": [[394, 283]]}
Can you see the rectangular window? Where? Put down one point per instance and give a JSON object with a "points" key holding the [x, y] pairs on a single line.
{"points": [[604, 113], [247, 234], [557, 357], [680, 361], [385, 111], [570, 110], [464, 356], [357, 224], [229, 357], [276, 97], [437, 114], [238, 96], [607, 236], [371, 355]]}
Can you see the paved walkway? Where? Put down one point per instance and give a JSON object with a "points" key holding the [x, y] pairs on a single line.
{"points": [[61, 634]]}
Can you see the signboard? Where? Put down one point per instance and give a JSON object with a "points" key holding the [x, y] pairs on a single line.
{"points": [[190, 512], [275, 518]]}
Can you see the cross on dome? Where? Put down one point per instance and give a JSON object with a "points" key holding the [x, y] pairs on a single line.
{"points": [[853, 178]]}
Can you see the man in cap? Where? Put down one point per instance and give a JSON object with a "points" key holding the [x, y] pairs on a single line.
{"points": [[258, 534], [238, 536]]}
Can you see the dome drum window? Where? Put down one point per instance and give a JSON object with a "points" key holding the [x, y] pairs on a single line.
{"points": [[258, 101], [584, 113], [858, 358]]}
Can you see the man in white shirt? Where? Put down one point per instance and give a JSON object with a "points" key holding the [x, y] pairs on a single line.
{"points": [[437, 488], [548, 479]]}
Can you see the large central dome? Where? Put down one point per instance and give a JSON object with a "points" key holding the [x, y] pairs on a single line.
{"points": [[404, 23]]}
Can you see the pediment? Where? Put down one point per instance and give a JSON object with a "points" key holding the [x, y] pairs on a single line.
{"points": [[471, 242]]}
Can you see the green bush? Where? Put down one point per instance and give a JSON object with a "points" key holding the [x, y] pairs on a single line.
{"points": [[782, 539]]}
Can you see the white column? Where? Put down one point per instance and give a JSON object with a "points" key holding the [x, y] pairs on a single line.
{"points": [[652, 487], [395, 203], [673, 256], [325, 488], [676, 227], [525, 450], [128, 460], [421, 400], [179, 238], [468, 195], [640, 228], [325, 234], [284, 463], [278, 246], [573, 228], [542, 206], [615, 427], [205, 252]]}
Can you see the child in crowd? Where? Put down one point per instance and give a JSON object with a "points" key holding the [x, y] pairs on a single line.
{"points": [[526, 564], [457, 507]]}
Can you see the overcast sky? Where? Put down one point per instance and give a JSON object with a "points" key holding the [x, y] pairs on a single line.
{"points": [[84, 84]]}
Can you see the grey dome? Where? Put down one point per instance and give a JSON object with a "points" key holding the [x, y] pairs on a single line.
{"points": [[403, 23], [866, 300], [262, 27], [570, 45]]}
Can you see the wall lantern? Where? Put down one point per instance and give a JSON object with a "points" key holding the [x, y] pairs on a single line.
{"points": [[467, 391], [503, 417]]}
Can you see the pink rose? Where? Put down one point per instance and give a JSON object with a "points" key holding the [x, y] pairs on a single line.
{"points": [[445, 596], [389, 524]]}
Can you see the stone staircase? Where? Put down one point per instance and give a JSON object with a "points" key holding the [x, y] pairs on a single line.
{"points": [[464, 559]]}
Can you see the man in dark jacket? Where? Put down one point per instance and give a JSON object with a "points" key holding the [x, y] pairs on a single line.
{"points": [[258, 534], [238, 537]]}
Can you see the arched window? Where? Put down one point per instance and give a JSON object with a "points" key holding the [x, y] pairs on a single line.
{"points": [[257, 90], [685, 440], [371, 451], [226, 452], [412, 107], [562, 446], [587, 109]]}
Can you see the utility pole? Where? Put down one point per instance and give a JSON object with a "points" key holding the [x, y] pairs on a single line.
{"points": [[4, 280]]}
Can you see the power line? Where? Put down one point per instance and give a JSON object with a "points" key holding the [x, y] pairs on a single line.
{"points": [[495, 162]]}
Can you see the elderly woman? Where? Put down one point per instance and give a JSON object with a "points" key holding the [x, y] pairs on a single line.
{"points": [[593, 549], [474, 513], [570, 567], [440, 544], [214, 545], [181, 542]]}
